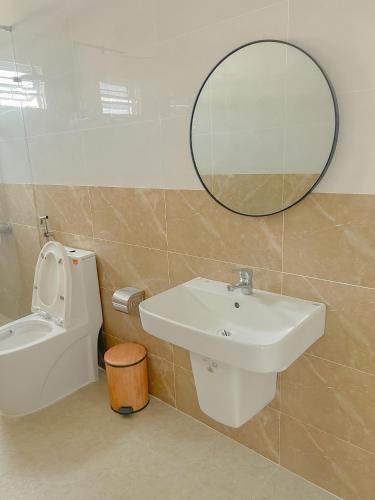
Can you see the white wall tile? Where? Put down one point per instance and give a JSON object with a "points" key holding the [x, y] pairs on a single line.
{"points": [[352, 169], [122, 25], [58, 159], [128, 155], [340, 35], [16, 11], [186, 61], [14, 161], [43, 54], [11, 123], [176, 18], [44, 58], [58, 107], [113, 88], [6, 49], [161, 51], [177, 163], [91, 68]]}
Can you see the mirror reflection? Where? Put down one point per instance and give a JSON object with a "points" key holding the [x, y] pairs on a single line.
{"points": [[264, 128]]}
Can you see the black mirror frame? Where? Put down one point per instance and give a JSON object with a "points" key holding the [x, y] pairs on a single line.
{"points": [[334, 142]]}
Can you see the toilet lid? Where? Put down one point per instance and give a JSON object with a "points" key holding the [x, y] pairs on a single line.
{"points": [[53, 283]]}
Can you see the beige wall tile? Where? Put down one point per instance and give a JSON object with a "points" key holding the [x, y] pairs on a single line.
{"points": [[135, 216], [161, 379], [261, 433], [111, 341], [339, 467], [74, 240], [115, 323], [276, 402], [154, 345], [28, 248], [348, 337], [18, 257], [68, 208], [199, 226], [121, 265], [185, 267], [329, 236], [181, 357], [296, 186], [13, 305], [11, 283], [332, 236], [3, 206], [19, 204], [332, 397]]}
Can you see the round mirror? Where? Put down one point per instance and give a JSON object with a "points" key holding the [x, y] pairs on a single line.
{"points": [[264, 128]]}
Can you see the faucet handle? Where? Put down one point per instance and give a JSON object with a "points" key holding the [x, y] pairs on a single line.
{"points": [[243, 270], [246, 273]]}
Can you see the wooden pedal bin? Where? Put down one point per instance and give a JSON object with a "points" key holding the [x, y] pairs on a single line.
{"points": [[126, 368]]}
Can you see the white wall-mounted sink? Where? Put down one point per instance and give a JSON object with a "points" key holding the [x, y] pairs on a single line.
{"points": [[238, 342]]}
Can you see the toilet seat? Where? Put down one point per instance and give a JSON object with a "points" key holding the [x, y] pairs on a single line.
{"points": [[53, 284], [25, 332]]}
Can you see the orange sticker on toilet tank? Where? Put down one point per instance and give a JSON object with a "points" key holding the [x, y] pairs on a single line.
{"points": [[75, 262]]}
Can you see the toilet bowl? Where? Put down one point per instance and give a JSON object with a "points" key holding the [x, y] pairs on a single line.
{"points": [[52, 352]]}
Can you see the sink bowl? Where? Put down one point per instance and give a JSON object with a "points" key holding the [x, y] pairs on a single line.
{"points": [[263, 332], [237, 342]]}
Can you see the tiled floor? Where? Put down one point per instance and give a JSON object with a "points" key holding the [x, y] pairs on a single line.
{"points": [[78, 449]]}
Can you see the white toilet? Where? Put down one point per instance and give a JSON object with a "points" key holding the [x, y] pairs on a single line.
{"points": [[53, 352]]}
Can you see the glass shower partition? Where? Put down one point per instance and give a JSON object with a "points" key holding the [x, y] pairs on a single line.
{"points": [[19, 233]]}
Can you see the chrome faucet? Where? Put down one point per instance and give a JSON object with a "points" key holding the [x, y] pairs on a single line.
{"points": [[245, 283]]}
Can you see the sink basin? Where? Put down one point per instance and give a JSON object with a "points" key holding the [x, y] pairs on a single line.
{"points": [[244, 339], [263, 332]]}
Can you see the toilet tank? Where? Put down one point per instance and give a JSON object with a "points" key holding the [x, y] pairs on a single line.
{"points": [[85, 303]]}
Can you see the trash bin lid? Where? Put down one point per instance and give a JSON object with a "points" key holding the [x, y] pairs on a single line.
{"points": [[127, 354]]}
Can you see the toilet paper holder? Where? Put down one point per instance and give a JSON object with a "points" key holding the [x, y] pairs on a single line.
{"points": [[127, 299]]}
